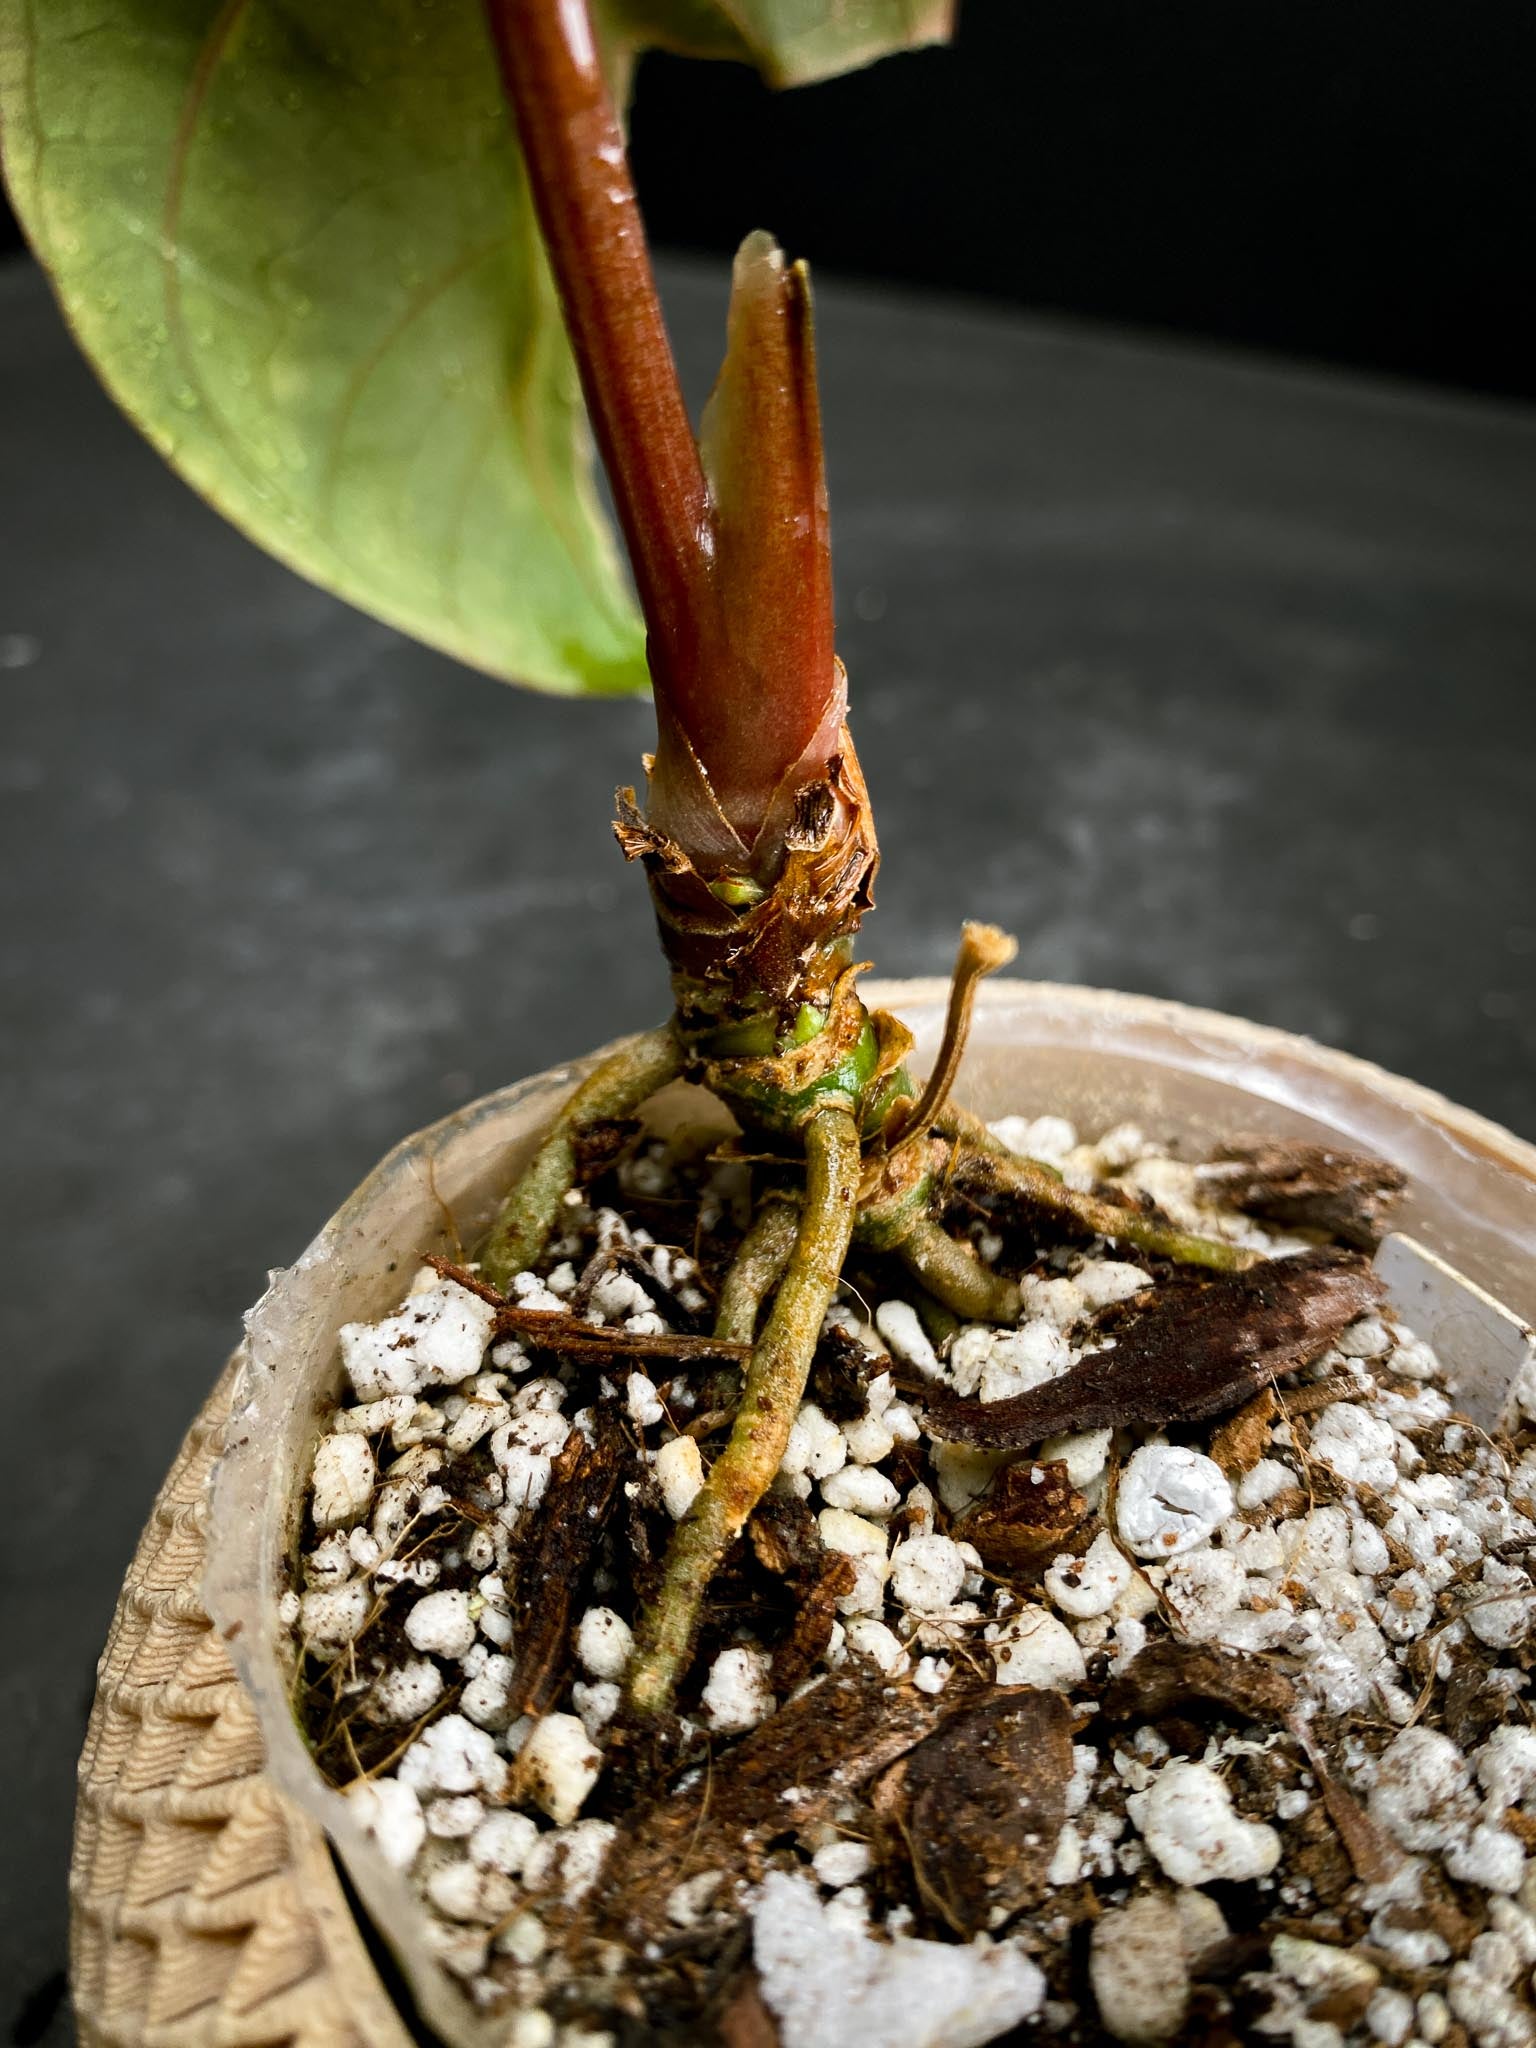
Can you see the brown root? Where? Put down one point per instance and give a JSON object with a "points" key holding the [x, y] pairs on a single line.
{"points": [[983, 950]]}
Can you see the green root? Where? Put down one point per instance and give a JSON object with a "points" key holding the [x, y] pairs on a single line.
{"points": [[1044, 1189], [770, 1400], [616, 1088], [956, 1278], [757, 1269]]}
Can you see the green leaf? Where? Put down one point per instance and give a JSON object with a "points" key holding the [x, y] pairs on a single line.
{"points": [[295, 240], [792, 42]]}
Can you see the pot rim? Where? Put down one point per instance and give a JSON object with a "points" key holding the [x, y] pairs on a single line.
{"points": [[1209, 1030], [1200, 1041]]}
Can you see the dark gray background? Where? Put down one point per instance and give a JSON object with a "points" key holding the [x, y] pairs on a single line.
{"points": [[1207, 679]]}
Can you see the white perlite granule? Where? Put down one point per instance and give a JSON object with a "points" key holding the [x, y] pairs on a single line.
{"points": [[437, 1339], [454, 1756], [1138, 1969], [898, 1324], [1091, 1584], [817, 1447], [739, 1691], [1189, 1825], [1170, 1500], [927, 1573], [560, 1764], [866, 1543], [406, 1692], [334, 1616], [830, 1985], [995, 1364], [343, 1481], [442, 1624], [391, 1812], [679, 1472], [881, 1645], [1103, 1281], [841, 1863], [1422, 1791], [1033, 1648], [862, 1491], [604, 1641]]}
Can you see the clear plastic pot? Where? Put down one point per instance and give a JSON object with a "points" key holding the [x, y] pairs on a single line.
{"points": [[1096, 1057]]}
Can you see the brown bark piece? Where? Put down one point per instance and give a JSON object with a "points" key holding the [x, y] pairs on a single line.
{"points": [[1197, 1348], [1239, 1444], [982, 1802], [1307, 1400], [551, 1574], [1371, 1850], [1342, 2009], [821, 1747], [550, 1329], [784, 1536], [785, 1540], [1023, 1521], [1168, 1676], [795, 1655], [746, 2021], [601, 1145], [1307, 1187], [1472, 1708], [840, 1375], [1011, 1208]]}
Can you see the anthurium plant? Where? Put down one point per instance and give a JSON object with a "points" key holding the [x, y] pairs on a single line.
{"points": [[368, 276]]}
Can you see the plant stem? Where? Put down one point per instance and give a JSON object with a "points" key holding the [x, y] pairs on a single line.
{"points": [[574, 150], [730, 546], [616, 1087], [770, 1400], [955, 1277], [757, 1269], [1045, 1190]]}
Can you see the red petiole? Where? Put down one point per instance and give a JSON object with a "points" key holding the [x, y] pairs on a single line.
{"points": [[732, 566]]}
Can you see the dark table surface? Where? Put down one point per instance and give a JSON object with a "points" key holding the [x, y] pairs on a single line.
{"points": [[1206, 678]]}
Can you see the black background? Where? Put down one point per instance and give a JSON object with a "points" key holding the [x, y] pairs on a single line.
{"points": [[1345, 180], [1348, 180]]}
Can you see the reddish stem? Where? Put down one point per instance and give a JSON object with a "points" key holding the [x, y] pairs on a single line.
{"points": [[574, 152], [735, 586]]}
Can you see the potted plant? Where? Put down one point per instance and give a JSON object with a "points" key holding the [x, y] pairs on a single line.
{"points": [[745, 1547]]}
